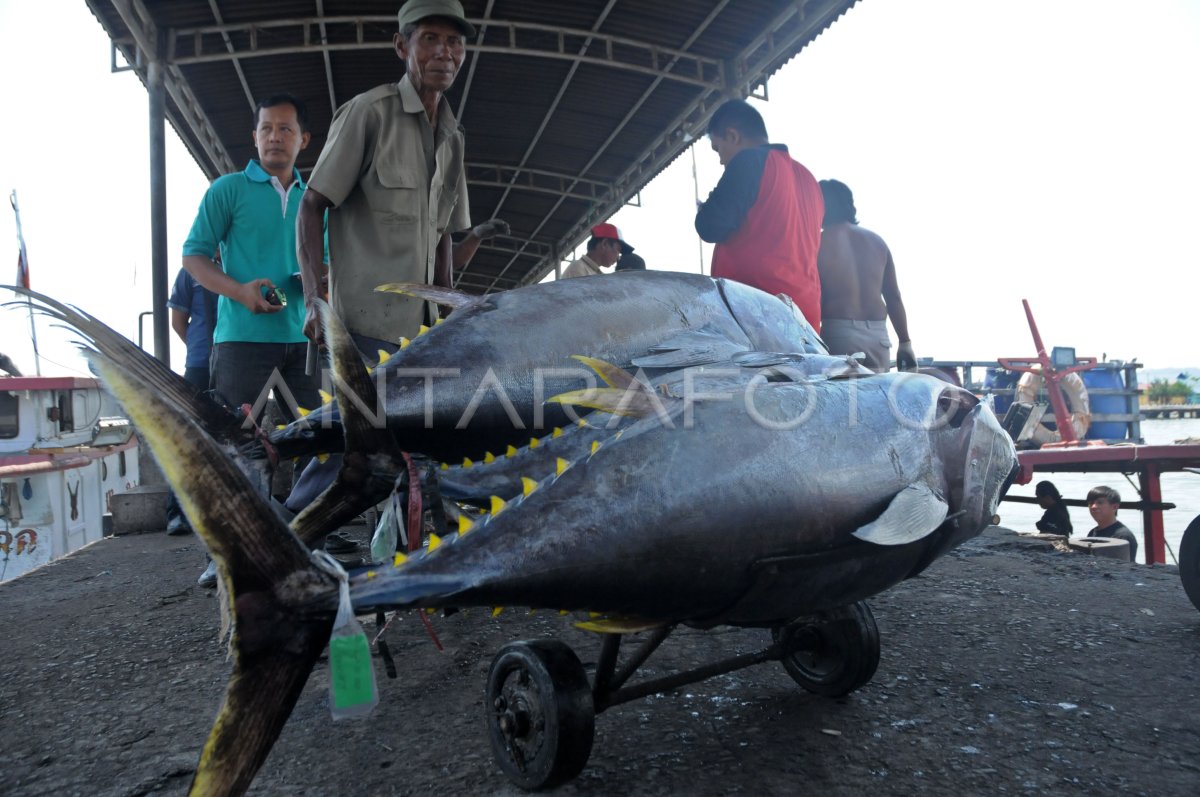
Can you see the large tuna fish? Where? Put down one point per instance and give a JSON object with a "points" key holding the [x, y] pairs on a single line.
{"points": [[844, 486], [479, 380]]}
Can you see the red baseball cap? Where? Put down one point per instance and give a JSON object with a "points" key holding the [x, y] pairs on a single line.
{"points": [[607, 230]]}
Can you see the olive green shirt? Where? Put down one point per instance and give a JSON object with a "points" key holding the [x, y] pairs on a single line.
{"points": [[396, 187]]}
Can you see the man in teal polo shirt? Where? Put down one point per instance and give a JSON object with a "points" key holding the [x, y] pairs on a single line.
{"points": [[250, 217]]}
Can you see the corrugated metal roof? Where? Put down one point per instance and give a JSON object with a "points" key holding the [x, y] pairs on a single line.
{"points": [[570, 108]]}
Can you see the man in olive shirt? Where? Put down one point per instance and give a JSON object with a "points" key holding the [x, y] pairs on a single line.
{"points": [[391, 176]]}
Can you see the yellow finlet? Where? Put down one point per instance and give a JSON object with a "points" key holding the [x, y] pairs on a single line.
{"points": [[533, 442], [595, 446], [498, 504], [399, 560], [489, 457], [322, 458], [434, 542], [467, 462], [557, 432], [510, 452], [279, 427], [326, 396], [384, 356], [303, 412], [430, 610], [404, 342], [465, 524], [561, 612], [528, 485], [439, 321], [496, 611], [422, 330], [371, 574], [445, 466], [560, 466]]}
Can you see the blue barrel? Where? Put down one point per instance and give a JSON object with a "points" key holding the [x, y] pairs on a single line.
{"points": [[1110, 379]]}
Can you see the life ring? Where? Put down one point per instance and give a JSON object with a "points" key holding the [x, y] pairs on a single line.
{"points": [[1074, 391]]}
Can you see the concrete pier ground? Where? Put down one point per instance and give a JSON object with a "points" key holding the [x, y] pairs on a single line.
{"points": [[1007, 668]]}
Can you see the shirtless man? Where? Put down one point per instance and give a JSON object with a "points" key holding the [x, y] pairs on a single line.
{"points": [[859, 291]]}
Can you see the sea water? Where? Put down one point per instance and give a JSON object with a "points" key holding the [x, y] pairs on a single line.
{"points": [[1181, 489]]}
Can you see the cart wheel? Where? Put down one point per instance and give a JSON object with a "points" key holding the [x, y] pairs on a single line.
{"points": [[831, 653], [539, 713], [1189, 561]]}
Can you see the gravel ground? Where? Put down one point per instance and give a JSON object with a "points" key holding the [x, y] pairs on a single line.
{"points": [[1006, 668]]}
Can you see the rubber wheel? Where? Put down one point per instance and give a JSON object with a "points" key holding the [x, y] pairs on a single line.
{"points": [[1189, 561], [540, 716], [831, 653]]}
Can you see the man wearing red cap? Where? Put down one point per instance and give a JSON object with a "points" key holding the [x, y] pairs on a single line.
{"points": [[765, 213], [603, 251]]}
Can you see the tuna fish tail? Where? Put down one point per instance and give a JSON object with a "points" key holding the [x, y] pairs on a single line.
{"points": [[372, 460], [281, 604]]}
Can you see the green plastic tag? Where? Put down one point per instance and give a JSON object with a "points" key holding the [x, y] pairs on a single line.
{"points": [[353, 681]]}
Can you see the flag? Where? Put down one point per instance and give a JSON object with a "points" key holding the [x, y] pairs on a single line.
{"points": [[22, 256]]}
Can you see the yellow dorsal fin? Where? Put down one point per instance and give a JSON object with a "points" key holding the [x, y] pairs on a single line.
{"points": [[562, 612], [557, 432], [434, 542], [279, 427], [498, 504], [422, 330], [445, 466], [467, 462], [383, 357], [440, 320], [533, 442], [489, 457], [465, 524], [528, 485], [322, 458], [326, 397], [596, 446], [404, 343], [496, 610], [399, 560], [619, 625], [560, 466]]}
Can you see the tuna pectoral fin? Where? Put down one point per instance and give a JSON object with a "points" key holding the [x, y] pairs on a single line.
{"points": [[267, 575], [430, 293], [372, 459], [695, 347], [914, 513]]}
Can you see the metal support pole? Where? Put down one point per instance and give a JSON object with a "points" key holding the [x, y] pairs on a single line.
{"points": [[158, 209], [1153, 536]]}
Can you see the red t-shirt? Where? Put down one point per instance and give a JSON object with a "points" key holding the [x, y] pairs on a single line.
{"points": [[775, 247]]}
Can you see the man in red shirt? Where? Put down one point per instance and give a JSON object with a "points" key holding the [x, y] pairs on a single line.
{"points": [[765, 213]]}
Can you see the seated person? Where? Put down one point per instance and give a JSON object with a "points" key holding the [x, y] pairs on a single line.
{"points": [[1055, 520], [1103, 503]]}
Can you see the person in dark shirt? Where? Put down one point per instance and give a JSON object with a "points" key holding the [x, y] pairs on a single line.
{"points": [[1103, 503], [1055, 520]]}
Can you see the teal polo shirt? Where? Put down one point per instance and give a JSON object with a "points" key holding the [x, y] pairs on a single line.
{"points": [[254, 226]]}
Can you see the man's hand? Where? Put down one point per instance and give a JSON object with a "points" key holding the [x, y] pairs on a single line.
{"points": [[490, 229], [905, 359], [250, 296], [312, 323]]}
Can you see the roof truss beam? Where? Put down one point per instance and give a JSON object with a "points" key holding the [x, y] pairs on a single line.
{"points": [[328, 34]]}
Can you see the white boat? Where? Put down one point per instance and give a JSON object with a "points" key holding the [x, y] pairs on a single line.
{"points": [[64, 453]]}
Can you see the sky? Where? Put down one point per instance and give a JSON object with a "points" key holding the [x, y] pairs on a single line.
{"points": [[1005, 149]]}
